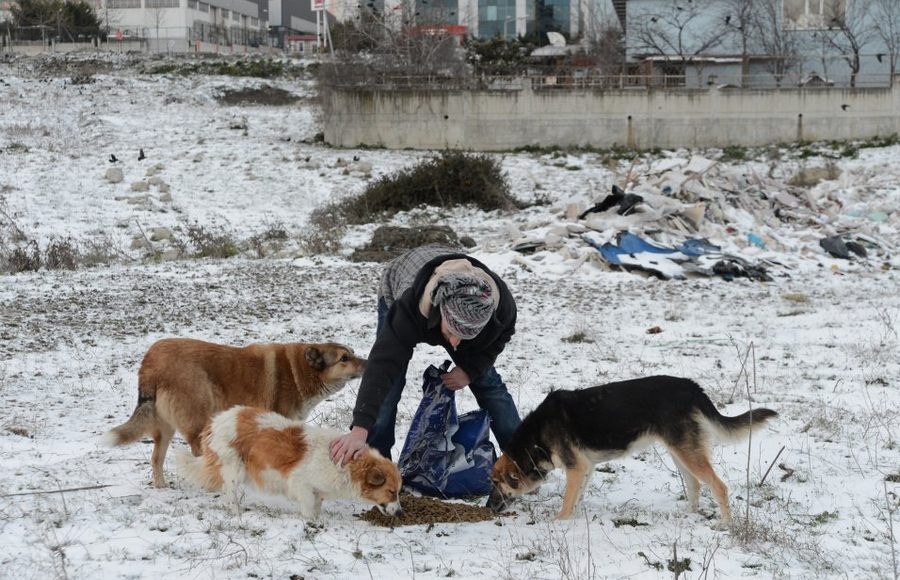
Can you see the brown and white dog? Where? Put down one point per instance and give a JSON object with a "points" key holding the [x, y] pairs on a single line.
{"points": [[575, 430], [183, 382], [280, 455]]}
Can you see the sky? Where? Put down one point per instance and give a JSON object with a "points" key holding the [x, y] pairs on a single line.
{"points": [[818, 342]]}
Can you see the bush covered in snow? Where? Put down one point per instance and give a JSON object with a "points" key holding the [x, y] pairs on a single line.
{"points": [[449, 179]]}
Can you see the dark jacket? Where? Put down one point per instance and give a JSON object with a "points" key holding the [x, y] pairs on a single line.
{"points": [[405, 327]]}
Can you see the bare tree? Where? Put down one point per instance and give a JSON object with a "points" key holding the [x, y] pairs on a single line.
{"points": [[158, 18], [111, 17], [739, 21], [392, 45], [850, 30], [781, 47], [886, 16], [679, 30], [603, 39], [608, 46]]}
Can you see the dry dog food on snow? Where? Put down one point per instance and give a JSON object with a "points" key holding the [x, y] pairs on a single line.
{"points": [[428, 510]]}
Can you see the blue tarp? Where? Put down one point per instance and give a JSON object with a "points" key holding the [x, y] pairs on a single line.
{"points": [[696, 255]]}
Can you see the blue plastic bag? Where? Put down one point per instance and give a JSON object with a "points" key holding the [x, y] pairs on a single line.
{"points": [[445, 454]]}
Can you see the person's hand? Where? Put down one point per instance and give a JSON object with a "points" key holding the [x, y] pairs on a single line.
{"points": [[348, 446], [455, 379]]}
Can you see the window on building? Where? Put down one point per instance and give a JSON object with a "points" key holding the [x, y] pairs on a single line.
{"points": [[496, 18], [436, 12], [554, 15], [235, 16], [254, 22], [192, 4], [812, 14], [204, 7], [124, 3], [161, 3], [225, 13], [670, 74]]}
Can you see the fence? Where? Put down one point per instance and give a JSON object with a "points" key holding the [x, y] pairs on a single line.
{"points": [[581, 78], [201, 37]]}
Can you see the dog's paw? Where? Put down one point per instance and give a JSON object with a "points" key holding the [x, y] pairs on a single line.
{"points": [[312, 519]]}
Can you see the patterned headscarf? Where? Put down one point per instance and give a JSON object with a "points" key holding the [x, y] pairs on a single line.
{"points": [[466, 303]]}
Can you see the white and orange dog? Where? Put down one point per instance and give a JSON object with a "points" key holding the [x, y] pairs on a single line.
{"points": [[183, 382], [280, 455]]}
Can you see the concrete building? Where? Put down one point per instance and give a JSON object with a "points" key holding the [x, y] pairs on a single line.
{"points": [[290, 23], [186, 25], [487, 18], [201, 25]]}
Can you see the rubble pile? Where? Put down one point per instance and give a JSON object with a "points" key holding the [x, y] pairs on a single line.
{"points": [[696, 217]]}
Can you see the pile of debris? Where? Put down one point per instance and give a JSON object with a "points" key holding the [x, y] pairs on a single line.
{"points": [[696, 217]]}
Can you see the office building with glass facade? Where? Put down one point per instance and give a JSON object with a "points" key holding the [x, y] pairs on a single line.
{"points": [[487, 18]]}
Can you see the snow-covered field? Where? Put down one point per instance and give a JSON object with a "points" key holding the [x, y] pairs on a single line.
{"points": [[819, 344]]}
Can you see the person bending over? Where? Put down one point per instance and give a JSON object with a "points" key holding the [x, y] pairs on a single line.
{"points": [[439, 296]]}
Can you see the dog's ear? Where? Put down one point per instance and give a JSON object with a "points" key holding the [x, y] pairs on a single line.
{"points": [[375, 477], [315, 358]]}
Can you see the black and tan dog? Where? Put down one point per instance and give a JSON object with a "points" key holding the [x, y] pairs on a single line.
{"points": [[575, 430]]}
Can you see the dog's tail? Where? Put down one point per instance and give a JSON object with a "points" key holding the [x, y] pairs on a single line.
{"points": [[737, 428], [203, 471], [139, 424]]}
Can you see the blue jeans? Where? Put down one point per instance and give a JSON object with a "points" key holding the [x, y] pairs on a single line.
{"points": [[489, 390]]}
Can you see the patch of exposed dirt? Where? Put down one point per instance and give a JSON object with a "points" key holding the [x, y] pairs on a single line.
{"points": [[388, 242], [428, 510], [265, 95], [77, 66]]}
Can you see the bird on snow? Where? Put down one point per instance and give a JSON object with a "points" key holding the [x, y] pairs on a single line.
{"points": [[845, 107], [113, 158], [141, 155]]}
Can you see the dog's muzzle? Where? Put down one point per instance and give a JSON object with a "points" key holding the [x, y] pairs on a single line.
{"points": [[392, 509], [497, 501]]}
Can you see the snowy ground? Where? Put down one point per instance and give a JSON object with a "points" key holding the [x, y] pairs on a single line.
{"points": [[822, 339]]}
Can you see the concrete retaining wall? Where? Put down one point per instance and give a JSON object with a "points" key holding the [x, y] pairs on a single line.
{"points": [[498, 120]]}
